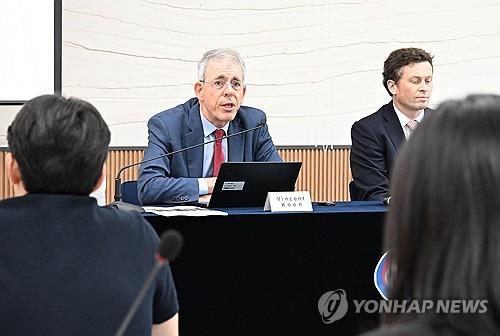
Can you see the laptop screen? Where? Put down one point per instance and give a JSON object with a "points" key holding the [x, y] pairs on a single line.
{"points": [[246, 184]]}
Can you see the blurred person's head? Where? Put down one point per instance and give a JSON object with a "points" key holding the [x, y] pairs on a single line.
{"points": [[407, 77], [443, 225], [57, 145]]}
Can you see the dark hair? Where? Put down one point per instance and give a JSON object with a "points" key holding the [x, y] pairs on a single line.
{"points": [[443, 225], [398, 59], [60, 145]]}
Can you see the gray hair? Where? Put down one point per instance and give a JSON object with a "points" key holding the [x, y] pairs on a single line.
{"points": [[225, 53]]}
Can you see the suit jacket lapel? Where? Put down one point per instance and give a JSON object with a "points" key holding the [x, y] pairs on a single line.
{"points": [[193, 136], [235, 144], [393, 126]]}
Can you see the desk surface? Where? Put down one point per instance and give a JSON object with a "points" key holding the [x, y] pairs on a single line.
{"points": [[339, 207], [254, 272]]}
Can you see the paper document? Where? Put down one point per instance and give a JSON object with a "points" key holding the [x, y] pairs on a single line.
{"points": [[183, 210]]}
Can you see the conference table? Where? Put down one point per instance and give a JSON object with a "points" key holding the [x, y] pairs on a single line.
{"points": [[254, 272]]}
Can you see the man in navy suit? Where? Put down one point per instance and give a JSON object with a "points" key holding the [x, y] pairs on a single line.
{"points": [[190, 175], [376, 139]]}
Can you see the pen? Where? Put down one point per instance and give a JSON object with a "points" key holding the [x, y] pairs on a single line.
{"points": [[325, 203]]}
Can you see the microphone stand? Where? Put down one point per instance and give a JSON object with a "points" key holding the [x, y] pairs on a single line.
{"points": [[118, 181]]}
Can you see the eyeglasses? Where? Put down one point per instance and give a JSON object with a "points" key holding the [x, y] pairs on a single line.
{"points": [[220, 84]]}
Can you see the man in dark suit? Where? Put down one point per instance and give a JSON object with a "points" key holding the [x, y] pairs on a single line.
{"points": [[216, 111], [376, 139], [69, 266]]}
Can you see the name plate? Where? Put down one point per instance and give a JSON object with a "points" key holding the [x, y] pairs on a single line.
{"points": [[288, 201]]}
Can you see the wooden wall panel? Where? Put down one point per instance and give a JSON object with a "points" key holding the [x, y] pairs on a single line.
{"points": [[325, 173], [6, 189]]}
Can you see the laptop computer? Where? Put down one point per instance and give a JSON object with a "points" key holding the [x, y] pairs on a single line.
{"points": [[246, 184]]}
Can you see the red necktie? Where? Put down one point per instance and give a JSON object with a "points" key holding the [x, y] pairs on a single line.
{"points": [[218, 152]]}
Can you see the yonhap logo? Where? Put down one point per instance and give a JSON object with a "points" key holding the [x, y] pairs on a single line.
{"points": [[332, 306]]}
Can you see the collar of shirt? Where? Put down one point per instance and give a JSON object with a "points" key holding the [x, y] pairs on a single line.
{"points": [[403, 120], [208, 127]]}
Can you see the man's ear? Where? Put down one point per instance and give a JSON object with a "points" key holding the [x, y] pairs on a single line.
{"points": [[14, 175], [198, 90], [13, 171], [392, 86], [244, 91], [101, 178]]}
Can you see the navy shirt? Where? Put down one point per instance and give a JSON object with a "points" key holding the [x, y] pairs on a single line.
{"points": [[70, 267]]}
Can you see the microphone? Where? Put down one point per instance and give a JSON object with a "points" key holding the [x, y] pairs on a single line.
{"points": [[170, 245], [118, 181]]}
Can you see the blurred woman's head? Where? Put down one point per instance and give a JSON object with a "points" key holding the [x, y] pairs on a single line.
{"points": [[443, 226]]}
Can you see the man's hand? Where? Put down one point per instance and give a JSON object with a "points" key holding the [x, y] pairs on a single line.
{"points": [[205, 198], [210, 183]]}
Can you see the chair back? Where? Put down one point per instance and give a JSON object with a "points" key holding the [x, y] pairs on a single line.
{"points": [[129, 192], [354, 192]]}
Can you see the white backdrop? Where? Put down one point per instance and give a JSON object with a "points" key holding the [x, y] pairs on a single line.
{"points": [[27, 53], [313, 66]]}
